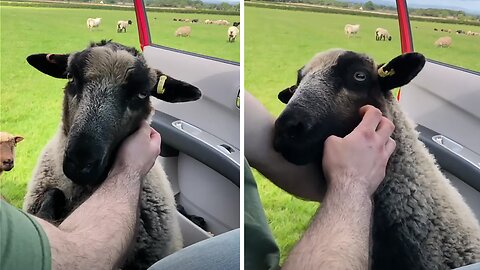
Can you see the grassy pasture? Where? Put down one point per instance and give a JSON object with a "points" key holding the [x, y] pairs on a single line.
{"points": [[30, 102], [279, 42]]}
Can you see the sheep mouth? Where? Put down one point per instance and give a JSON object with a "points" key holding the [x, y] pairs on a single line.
{"points": [[7, 167]]}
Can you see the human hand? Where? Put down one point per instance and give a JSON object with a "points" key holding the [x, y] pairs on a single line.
{"points": [[139, 151], [359, 159]]}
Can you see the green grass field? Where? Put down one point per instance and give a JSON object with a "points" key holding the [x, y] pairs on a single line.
{"points": [[30, 102], [279, 42]]}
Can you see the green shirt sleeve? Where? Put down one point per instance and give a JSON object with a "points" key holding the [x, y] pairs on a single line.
{"points": [[23, 243], [261, 251]]}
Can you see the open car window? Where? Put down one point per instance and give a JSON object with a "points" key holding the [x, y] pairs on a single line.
{"points": [[195, 29], [448, 33]]}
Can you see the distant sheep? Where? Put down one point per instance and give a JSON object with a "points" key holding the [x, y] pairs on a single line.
{"points": [[7, 150], [93, 23], [382, 33], [237, 24], [443, 42], [352, 29], [232, 33], [184, 31], [194, 20], [122, 26], [221, 22], [208, 22]]}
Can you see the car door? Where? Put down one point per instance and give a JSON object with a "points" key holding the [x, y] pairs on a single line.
{"points": [[200, 139], [443, 100]]}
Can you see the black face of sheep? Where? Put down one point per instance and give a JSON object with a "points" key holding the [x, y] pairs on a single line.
{"points": [[105, 100], [329, 92], [129, 21]]}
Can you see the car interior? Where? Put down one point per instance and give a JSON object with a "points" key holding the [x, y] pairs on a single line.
{"points": [[201, 141]]}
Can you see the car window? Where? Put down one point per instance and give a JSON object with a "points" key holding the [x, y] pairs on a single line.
{"points": [[449, 34], [201, 29]]}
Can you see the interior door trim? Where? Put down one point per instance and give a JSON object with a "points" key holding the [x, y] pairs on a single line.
{"points": [[195, 148]]}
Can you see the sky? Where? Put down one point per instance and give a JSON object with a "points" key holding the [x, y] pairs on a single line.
{"points": [[469, 6]]}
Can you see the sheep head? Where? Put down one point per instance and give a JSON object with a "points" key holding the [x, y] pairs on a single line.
{"points": [[7, 150], [326, 99], [105, 100]]}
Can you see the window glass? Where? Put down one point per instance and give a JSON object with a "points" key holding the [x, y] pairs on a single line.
{"points": [[449, 36], [201, 33], [30, 101], [280, 39]]}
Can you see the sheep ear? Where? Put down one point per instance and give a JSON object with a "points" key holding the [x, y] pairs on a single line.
{"points": [[18, 139], [285, 95], [54, 65], [400, 71], [172, 90]]}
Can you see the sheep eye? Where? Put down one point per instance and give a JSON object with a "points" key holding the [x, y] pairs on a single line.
{"points": [[69, 77], [142, 95], [360, 76]]}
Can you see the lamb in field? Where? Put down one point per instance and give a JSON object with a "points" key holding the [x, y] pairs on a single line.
{"points": [[122, 26], [352, 29], [232, 33], [106, 98], [420, 221], [382, 33], [8, 142], [183, 31], [93, 23], [443, 42]]}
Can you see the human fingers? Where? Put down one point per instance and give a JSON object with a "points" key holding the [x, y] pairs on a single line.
{"points": [[385, 128], [390, 146], [371, 118]]}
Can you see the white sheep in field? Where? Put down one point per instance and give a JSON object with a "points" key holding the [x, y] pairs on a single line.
{"points": [[122, 26], [382, 33], [208, 22], [352, 29], [93, 23], [420, 221], [232, 33], [78, 158], [443, 42], [183, 31]]}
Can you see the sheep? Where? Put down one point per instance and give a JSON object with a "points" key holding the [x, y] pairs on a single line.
{"points": [[420, 221], [105, 99], [382, 33], [195, 20], [122, 26], [8, 142], [221, 22], [93, 23], [208, 22], [183, 31], [352, 29], [232, 33], [443, 42], [237, 24]]}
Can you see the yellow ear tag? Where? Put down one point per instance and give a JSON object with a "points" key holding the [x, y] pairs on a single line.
{"points": [[161, 84], [382, 73]]}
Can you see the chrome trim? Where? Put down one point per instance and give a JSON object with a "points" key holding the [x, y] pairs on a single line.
{"points": [[458, 149], [211, 140]]}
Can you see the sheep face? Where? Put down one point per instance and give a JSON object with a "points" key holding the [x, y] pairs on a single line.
{"points": [[7, 150], [325, 101], [105, 100]]}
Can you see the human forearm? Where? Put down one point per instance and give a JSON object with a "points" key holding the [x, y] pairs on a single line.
{"points": [[338, 237], [108, 216], [303, 181]]}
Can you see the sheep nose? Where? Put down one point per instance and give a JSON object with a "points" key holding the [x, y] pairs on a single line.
{"points": [[8, 162], [81, 168], [295, 128]]}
